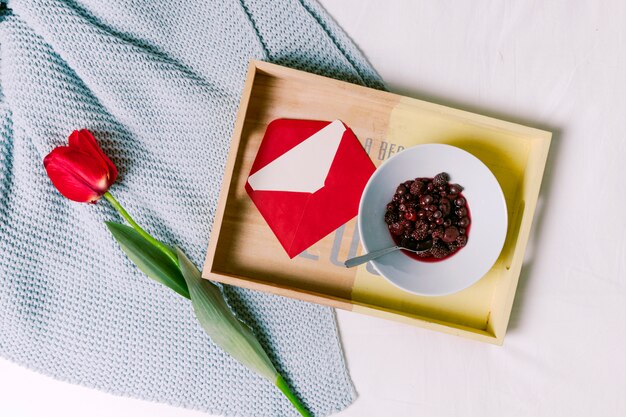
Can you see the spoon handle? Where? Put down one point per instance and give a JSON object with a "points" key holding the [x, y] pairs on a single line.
{"points": [[369, 256]]}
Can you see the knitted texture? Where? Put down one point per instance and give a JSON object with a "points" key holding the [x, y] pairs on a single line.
{"points": [[158, 83]]}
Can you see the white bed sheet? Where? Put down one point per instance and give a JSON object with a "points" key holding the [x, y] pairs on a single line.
{"points": [[558, 65]]}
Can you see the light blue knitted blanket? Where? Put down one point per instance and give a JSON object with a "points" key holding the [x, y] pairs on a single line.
{"points": [[158, 83]]}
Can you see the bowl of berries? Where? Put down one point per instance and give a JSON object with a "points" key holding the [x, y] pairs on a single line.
{"points": [[445, 207]]}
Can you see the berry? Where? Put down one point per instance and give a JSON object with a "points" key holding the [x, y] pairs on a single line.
{"points": [[396, 228], [447, 222], [391, 217], [437, 214], [421, 214], [455, 189], [439, 221], [421, 230], [395, 198], [445, 206], [459, 202], [464, 222], [430, 187], [462, 212], [438, 233], [453, 247], [439, 250], [401, 190], [450, 234], [461, 241], [441, 179], [408, 226], [391, 206], [417, 187], [410, 215], [432, 208], [402, 207], [425, 200]]}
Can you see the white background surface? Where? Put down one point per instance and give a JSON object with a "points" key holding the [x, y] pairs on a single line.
{"points": [[559, 65]]}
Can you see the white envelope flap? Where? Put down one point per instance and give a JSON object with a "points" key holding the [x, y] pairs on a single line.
{"points": [[304, 167]]}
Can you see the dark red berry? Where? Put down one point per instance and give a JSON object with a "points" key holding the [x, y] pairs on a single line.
{"points": [[450, 234], [430, 187], [417, 187], [461, 212], [464, 222], [461, 241], [441, 179], [396, 228], [391, 217], [437, 214], [421, 230], [402, 207], [421, 214], [391, 206], [447, 222], [439, 250], [461, 230], [395, 198], [401, 190], [438, 233], [425, 200], [445, 206], [439, 221], [455, 189], [432, 208], [410, 215], [459, 202]]}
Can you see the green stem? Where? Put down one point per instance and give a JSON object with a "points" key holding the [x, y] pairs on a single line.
{"points": [[282, 385], [117, 206]]}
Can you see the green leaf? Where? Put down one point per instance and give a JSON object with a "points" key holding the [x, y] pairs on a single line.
{"points": [[148, 258], [221, 324]]}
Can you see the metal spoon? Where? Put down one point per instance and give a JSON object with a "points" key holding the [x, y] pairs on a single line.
{"points": [[358, 260]]}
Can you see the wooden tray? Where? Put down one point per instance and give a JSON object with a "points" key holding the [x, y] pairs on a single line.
{"points": [[243, 251]]}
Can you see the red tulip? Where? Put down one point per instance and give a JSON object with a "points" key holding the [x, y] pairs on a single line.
{"points": [[80, 171]]}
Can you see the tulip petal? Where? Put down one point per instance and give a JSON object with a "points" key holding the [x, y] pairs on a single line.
{"points": [[84, 141], [77, 175]]}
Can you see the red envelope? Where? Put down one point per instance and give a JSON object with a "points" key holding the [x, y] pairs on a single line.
{"points": [[307, 179]]}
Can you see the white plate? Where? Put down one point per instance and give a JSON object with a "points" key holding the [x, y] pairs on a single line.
{"points": [[484, 199]]}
